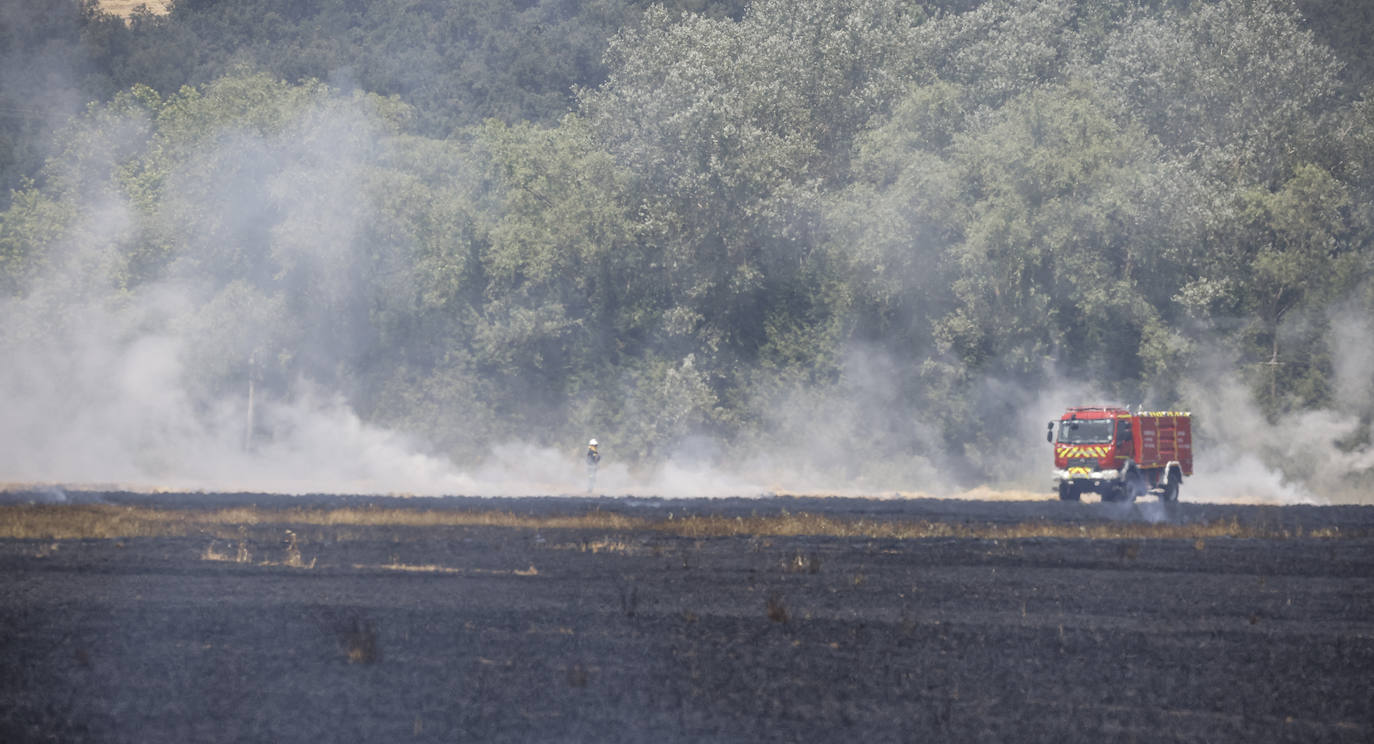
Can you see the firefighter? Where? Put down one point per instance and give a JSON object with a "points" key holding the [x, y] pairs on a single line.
{"points": [[593, 459]]}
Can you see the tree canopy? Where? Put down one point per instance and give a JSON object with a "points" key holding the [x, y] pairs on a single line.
{"points": [[881, 236]]}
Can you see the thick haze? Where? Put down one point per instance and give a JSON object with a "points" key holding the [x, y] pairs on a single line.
{"points": [[250, 359]]}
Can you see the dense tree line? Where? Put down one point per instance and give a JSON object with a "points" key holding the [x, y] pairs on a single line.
{"points": [[708, 227], [457, 63]]}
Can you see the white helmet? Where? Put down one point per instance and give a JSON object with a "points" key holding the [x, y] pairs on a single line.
{"points": [[591, 443]]}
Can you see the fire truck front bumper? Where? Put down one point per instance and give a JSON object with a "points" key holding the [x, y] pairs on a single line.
{"points": [[1096, 477]]}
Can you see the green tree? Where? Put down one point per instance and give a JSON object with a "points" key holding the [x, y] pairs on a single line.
{"points": [[1237, 85], [1295, 252], [29, 228], [732, 130]]}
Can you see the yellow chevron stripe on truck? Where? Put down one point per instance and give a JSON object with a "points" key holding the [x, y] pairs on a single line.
{"points": [[1084, 450]]}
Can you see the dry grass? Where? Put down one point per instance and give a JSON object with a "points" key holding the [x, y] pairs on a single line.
{"points": [[804, 523], [213, 553], [413, 568], [293, 553], [291, 557], [125, 8], [67, 522], [435, 568], [603, 545]]}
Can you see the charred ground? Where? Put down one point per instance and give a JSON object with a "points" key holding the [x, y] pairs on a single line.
{"points": [[235, 617]]}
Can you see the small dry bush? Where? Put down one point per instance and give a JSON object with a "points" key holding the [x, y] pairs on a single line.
{"points": [[777, 611], [629, 598], [808, 563], [293, 553], [359, 642], [577, 676]]}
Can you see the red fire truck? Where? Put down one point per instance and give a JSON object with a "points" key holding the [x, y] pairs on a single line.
{"points": [[1121, 455]]}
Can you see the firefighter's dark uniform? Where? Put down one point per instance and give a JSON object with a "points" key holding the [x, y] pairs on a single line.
{"points": [[593, 458]]}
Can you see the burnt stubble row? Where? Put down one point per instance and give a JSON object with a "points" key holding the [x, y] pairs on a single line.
{"points": [[477, 633]]}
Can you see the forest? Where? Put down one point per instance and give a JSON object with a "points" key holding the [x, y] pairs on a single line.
{"points": [[868, 244]]}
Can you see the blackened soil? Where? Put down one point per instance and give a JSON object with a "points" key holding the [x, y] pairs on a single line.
{"points": [[495, 634]]}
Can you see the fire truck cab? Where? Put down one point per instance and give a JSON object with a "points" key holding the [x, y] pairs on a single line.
{"points": [[1121, 455]]}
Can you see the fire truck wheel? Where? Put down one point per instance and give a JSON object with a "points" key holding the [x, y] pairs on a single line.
{"points": [[1067, 492], [1171, 485]]}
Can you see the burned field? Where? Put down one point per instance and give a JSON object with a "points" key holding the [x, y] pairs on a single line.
{"points": [[247, 617]]}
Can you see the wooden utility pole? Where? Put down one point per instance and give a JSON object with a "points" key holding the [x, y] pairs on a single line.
{"points": [[248, 423]]}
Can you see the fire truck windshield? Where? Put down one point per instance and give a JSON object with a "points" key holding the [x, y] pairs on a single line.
{"points": [[1085, 431]]}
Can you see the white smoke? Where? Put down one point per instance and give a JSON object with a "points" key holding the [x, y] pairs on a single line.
{"points": [[148, 385], [1309, 456]]}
